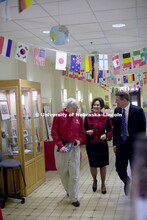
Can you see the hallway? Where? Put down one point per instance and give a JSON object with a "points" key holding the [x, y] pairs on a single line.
{"points": [[49, 201]]}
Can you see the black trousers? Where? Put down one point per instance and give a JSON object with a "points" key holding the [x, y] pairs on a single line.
{"points": [[124, 153]]}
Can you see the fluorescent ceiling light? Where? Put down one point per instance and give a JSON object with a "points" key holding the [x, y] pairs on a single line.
{"points": [[45, 32], [118, 25]]}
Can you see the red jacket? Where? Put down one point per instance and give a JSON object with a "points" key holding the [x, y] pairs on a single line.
{"points": [[100, 125], [67, 128]]}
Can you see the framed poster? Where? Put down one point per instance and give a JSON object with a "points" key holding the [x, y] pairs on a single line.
{"points": [[4, 110]]}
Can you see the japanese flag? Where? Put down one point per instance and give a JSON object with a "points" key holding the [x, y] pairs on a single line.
{"points": [[61, 60]]}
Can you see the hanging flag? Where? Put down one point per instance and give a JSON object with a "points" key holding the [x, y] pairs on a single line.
{"points": [[88, 63], [116, 63], [23, 4], [61, 59], [76, 75], [39, 56], [126, 60], [95, 76], [125, 78], [22, 52], [145, 53], [132, 77], [136, 58], [5, 10], [81, 75], [118, 79], [71, 74], [116, 72], [143, 62], [141, 83], [88, 76], [5, 46], [103, 62], [75, 63], [111, 81], [100, 75], [106, 73], [138, 77]]}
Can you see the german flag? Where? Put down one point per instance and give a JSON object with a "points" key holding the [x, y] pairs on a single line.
{"points": [[23, 4], [126, 60], [132, 77]]}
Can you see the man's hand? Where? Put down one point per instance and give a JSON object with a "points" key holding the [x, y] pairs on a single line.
{"points": [[62, 150], [78, 143], [114, 149]]}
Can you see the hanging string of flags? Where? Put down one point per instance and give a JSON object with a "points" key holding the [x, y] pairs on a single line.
{"points": [[101, 75]]}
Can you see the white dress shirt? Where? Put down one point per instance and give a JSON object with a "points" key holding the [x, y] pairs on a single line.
{"points": [[127, 116]]}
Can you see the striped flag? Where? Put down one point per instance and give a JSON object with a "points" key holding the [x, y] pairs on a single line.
{"points": [[76, 75], [136, 58], [116, 63], [145, 52], [88, 63], [103, 62], [39, 56], [23, 4], [95, 76], [143, 62], [132, 77], [5, 46], [88, 76], [126, 60]]}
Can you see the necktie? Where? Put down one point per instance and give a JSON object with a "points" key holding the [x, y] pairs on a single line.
{"points": [[124, 132]]}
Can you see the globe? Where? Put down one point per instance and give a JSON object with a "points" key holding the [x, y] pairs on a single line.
{"points": [[59, 35]]}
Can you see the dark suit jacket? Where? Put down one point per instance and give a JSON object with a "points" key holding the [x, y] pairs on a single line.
{"points": [[136, 123]]}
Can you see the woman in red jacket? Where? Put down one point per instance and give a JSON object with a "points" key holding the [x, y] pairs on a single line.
{"points": [[98, 128]]}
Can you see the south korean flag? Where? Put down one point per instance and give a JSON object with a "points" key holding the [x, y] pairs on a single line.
{"points": [[22, 52]]}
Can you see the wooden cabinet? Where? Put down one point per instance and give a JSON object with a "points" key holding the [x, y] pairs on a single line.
{"points": [[22, 129]]}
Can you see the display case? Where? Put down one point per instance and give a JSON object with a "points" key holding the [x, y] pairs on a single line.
{"points": [[22, 129]]}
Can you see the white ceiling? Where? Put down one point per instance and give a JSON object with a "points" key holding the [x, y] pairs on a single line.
{"points": [[87, 20]]}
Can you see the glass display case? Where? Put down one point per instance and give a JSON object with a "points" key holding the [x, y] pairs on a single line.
{"points": [[22, 128]]}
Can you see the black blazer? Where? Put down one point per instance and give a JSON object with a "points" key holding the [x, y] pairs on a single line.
{"points": [[136, 123]]}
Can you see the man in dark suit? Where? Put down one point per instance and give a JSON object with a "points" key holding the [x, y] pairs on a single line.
{"points": [[129, 120]]}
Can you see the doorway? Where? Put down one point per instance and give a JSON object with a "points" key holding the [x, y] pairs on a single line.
{"points": [[135, 98]]}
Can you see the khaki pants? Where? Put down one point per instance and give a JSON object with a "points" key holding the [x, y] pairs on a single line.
{"points": [[68, 166]]}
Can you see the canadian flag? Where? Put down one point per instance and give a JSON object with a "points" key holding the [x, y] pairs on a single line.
{"points": [[61, 60], [116, 63]]}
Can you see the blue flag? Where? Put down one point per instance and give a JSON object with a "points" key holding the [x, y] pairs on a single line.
{"points": [[75, 63]]}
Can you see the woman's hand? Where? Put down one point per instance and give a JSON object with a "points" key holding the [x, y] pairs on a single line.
{"points": [[89, 132], [103, 137]]}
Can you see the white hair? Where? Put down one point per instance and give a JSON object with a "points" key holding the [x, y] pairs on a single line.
{"points": [[70, 101]]}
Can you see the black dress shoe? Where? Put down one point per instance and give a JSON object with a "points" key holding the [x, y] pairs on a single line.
{"points": [[94, 186], [103, 190], [76, 204]]}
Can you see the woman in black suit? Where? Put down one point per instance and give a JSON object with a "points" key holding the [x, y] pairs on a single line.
{"points": [[98, 128]]}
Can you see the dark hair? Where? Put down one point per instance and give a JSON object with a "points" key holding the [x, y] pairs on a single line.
{"points": [[101, 101], [123, 95]]}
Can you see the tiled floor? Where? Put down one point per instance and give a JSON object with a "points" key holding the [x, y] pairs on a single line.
{"points": [[49, 201]]}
